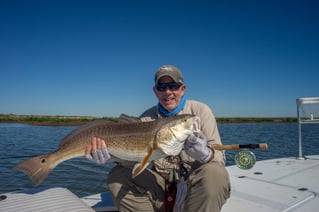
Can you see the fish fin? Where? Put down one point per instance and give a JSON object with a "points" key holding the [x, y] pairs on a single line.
{"points": [[138, 168], [37, 168], [128, 119]]}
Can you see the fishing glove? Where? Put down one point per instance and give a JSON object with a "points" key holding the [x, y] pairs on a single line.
{"points": [[99, 156], [196, 147]]}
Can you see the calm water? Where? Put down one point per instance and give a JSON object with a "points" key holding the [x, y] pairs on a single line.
{"points": [[18, 141]]}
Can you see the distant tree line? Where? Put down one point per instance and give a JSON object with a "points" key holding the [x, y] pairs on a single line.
{"points": [[256, 120], [79, 120], [50, 120]]}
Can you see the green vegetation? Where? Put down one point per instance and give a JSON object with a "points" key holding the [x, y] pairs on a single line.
{"points": [[50, 120], [79, 120], [257, 120]]}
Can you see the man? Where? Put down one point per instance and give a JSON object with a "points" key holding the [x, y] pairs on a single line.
{"points": [[203, 182]]}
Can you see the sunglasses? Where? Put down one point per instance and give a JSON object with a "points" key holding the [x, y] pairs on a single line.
{"points": [[173, 86]]}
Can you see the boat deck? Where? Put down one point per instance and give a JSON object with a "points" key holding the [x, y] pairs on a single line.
{"points": [[42, 199], [283, 184]]}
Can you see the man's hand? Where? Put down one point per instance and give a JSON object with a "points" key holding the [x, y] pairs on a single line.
{"points": [[97, 151], [197, 148]]}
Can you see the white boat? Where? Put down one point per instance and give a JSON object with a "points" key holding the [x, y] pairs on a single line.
{"points": [[281, 184]]}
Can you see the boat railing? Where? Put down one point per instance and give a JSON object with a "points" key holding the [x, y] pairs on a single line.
{"points": [[307, 113]]}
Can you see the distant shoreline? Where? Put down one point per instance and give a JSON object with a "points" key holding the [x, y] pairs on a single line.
{"points": [[44, 120]]}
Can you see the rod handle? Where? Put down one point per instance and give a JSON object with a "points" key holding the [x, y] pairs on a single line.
{"points": [[241, 146]]}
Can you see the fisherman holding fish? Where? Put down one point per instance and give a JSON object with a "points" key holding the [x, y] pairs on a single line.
{"points": [[194, 180]]}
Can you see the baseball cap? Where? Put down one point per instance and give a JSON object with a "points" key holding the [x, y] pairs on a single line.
{"points": [[171, 71]]}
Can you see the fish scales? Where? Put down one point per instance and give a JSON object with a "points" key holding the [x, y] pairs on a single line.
{"points": [[125, 137]]}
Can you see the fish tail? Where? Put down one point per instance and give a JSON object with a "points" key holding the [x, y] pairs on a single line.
{"points": [[37, 168]]}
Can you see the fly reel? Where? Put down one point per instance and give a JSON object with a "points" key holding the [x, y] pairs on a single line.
{"points": [[245, 159]]}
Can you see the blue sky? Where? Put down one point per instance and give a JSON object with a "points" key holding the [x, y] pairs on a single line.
{"points": [[98, 58]]}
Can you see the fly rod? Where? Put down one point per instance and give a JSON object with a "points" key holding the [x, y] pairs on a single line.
{"points": [[241, 146]]}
